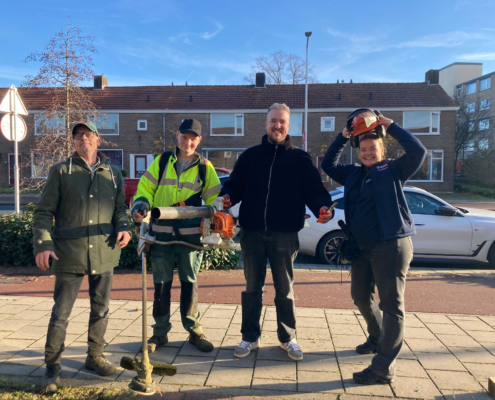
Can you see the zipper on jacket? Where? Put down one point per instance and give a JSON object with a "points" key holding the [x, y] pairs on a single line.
{"points": [[269, 181]]}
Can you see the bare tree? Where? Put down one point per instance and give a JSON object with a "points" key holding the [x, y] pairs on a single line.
{"points": [[281, 68], [473, 129], [66, 63]]}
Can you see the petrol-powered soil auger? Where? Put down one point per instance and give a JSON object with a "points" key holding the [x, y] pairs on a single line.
{"points": [[218, 228]]}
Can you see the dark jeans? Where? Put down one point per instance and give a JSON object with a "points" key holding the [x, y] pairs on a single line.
{"points": [[66, 289], [383, 265], [280, 248]]}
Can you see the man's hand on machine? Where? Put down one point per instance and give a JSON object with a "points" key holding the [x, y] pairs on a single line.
{"points": [[139, 215], [225, 199]]}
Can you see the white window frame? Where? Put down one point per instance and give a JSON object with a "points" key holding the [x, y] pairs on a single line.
{"points": [[138, 127], [484, 127], [487, 102], [470, 85], [121, 150], [459, 89], [411, 181], [323, 119], [469, 146], [431, 123], [302, 125], [235, 125], [36, 133], [489, 83], [32, 166], [485, 145], [468, 108], [118, 124]]}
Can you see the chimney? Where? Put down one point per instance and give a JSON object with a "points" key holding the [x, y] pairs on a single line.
{"points": [[432, 77], [260, 80], [100, 82]]}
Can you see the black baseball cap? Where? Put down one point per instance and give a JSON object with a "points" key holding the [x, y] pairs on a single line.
{"points": [[190, 125]]}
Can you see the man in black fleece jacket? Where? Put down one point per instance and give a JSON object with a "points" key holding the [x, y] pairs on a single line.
{"points": [[274, 181]]}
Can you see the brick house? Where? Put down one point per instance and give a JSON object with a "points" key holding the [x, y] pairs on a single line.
{"points": [[232, 119]]}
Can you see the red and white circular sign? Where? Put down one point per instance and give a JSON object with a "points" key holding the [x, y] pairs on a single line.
{"points": [[19, 130]]}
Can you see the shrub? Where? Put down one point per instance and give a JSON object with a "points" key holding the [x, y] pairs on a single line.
{"points": [[219, 259], [479, 168]]}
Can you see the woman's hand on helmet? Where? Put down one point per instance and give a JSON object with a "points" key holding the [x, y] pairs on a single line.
{"points": [[386, 122], [346, 133]]}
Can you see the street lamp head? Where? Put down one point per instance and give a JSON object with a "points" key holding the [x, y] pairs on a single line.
{"points": [[308, 34]]}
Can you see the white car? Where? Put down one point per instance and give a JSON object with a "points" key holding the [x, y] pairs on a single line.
{"points": [[444, 233]]}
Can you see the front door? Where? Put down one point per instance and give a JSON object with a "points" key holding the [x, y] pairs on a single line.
{"points": [[140, 165], [11, 168]]}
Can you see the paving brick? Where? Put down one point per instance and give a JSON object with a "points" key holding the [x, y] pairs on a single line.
{"points": [[228, 377], [42, 322], [12, 346], [70, 367], [440, 361], [28, 332], [13, 309], [28, 357], [267, 369], [219, 313], [313, 333], [164, 354], [215, 322], [450, 380], [426, 346], [463, 395], [481, 372], [13, 325], [406, 353], [77, 327], [270, 326], [310, 312], [269, 338], [351, 357], [473, 355], [190, 350], [419, 333], [318, 381], [225, 358], [318, 362], [316, 346], [233, 329], [415, 388], [369, 390], [346, 329], [445, 329], [349, 318], [482, 336], [16, 369], [476, 325], [45, 306], [274, 384], [312, 323], [184, 379], [193, 365], [413, 322], [231, 342], [30, 315], [274, 353], [433, 318], [348, 342], [458, 341], [118, 323], [410, 369], [124, 344], [126, 314], [135, 330]]}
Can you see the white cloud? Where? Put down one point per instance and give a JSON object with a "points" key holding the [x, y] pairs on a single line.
{"points": [[351, 36], [448, 39], [209, 35], [205, 35], [477, 56]]}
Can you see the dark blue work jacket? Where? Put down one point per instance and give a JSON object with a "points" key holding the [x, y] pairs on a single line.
{"points": [[388, 178]]}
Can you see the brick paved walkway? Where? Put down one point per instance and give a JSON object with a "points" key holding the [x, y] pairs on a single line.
{"points": [[448, 356]]}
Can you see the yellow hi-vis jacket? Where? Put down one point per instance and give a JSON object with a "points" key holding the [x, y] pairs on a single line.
{"points": [[172, 190]]}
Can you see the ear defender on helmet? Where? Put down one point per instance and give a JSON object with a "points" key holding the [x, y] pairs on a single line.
{"points": [[358, 124]]}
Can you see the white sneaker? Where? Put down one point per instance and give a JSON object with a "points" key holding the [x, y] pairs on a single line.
{"points": [[245, 348], [293, 350]]}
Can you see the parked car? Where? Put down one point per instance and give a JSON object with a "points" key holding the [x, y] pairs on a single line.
{"points": [[130, 185], [444, 233]]}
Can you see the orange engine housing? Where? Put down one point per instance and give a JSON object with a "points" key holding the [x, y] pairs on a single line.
{"points": [[221, 223]]}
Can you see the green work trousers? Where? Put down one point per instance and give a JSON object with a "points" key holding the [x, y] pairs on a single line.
{"points": [[163, 261]]}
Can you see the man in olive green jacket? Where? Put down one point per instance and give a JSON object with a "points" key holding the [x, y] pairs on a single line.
{"points": [[85, 196]]}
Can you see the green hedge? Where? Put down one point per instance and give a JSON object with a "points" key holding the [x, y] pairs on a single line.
{"points": [[466, 187], [16, 246]]}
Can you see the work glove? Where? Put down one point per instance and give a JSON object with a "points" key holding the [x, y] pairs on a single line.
{"points": [[224, 201], [324, 216]]}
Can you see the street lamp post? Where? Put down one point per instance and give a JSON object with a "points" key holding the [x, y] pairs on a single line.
{"points": [[305, 133]]}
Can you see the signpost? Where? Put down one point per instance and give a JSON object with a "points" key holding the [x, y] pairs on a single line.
{"points": [[14, 129]]}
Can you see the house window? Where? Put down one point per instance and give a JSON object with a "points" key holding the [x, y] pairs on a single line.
{"points": [[327, 124], [484, 104], [471, 88], [107, 124], [40, 164], [483, 144], [470, 108], [469, 145], [227, 124], [484, 124], [459, 91], [485, 83], [49, 124], [222, 158], [422, 122], [296, 125], [116, 157], [432, 168], [142, 125]]}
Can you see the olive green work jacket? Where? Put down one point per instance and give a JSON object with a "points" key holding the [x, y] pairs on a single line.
{"points": [[88, 208]]}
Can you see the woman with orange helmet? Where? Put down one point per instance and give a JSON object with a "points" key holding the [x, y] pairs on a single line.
{"points": [[381, 225]]}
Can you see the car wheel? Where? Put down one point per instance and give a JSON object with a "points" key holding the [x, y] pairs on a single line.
{"points": [[327, 248], [491, 256]]}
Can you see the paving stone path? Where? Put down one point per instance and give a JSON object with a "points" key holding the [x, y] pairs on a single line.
{"points": [[444, 356]]}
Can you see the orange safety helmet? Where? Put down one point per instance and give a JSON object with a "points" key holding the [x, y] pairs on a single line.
{"points": [[358, 124]]}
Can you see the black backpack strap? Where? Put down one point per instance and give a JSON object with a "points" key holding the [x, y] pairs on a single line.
{"points": [[165, 156], [202, 171]]}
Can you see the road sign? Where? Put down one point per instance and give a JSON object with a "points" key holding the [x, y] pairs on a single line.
{"points": [[12, 102], [13, 127]]}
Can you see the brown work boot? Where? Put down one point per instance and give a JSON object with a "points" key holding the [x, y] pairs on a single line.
{"points": [[156, 341], [201, 342], [100, 365]]}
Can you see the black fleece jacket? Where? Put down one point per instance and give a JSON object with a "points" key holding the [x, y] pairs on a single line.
{"points": [[274, 183]]}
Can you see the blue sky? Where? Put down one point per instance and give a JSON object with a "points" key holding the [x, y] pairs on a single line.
{"points": [[214, 42]]}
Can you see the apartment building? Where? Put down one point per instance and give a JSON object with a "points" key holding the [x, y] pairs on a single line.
{"points": [[141, 118]]}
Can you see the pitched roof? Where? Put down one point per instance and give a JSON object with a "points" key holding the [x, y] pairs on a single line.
{"points": [[341, 95]]}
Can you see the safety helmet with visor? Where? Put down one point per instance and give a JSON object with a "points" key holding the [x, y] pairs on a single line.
{"points": [[364, 120]]}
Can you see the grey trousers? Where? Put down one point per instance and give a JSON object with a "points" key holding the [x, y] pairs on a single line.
{"points": [[280, 248], [383, 265]]}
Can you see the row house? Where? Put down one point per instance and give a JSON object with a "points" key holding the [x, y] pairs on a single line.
{"points": [[142, 120]]}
